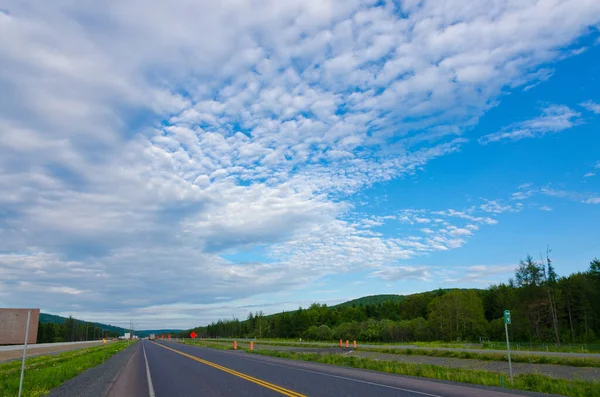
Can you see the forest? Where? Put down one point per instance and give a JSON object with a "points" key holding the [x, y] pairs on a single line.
{"points": [[545, 307], [71, 330]]}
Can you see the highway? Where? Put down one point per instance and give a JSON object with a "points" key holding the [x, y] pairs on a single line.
{"points": [[172, 369], [15, 352], [33, 346]]}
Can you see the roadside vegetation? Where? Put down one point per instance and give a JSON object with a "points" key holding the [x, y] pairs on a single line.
{"points": [[43, 373], [549, 313], [527, 382], [515, 357]]}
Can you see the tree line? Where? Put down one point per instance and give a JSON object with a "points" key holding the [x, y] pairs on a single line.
{"points": [[71, 330], [545, 307]]}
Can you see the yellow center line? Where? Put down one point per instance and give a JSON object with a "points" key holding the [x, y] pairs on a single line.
{"points": [[252, 379]]}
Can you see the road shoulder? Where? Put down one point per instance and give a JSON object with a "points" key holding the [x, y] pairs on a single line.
{"points": [[96, 381]]}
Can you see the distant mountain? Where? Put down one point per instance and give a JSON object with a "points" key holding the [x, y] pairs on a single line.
{"points": [[147, 332], [52, 318], [372, 300]]}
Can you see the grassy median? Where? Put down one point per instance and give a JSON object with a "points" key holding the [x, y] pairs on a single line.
{"points": [[43, 373], [528, 382], [516, 357]]}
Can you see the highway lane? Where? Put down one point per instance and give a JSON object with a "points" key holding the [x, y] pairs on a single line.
{"points": [[181, 370], [15, 352], [33, 346]]}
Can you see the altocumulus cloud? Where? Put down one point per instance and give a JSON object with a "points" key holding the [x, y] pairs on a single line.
{"points": [[156, 138]]}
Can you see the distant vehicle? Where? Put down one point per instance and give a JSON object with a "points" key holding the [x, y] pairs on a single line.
{"points": [[152, 337]]}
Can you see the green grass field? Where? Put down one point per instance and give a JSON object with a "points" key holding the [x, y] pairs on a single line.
{"points": [[520, 357], [43, 373], [517, 347]]}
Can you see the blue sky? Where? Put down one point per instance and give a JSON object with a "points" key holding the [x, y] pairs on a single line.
{"points": [[179, 163]]}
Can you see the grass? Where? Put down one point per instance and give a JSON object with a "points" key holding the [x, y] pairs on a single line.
{"points": [[516, 346], [518, 357], [212, 345], [43, 373], [527, 382]]}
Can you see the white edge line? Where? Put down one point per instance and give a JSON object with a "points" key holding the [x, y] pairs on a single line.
{"points": [[150, 387], [343, 377]]}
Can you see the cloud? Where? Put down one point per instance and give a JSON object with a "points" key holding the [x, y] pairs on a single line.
{"points": [[398, 273], [144, 146], [591, 106], [554, 118], [495, 207], [582, 197], [480, 274], [589, 174]]}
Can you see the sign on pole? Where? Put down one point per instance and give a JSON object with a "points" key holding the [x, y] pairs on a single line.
{"points": [[193, 335], [506, 322]]}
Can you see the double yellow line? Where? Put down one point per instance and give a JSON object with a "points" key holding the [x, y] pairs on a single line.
{"points": [[252, 379]]}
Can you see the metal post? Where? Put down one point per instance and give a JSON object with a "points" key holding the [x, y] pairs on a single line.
{"points": [[24, 353], [508, 348]]}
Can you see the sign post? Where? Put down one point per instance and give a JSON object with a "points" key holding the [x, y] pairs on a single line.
{"points": [[506, 322], [193, 336], [24, 352]]}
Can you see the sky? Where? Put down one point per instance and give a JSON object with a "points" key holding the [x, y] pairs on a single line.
{"points": [[173, 163]]}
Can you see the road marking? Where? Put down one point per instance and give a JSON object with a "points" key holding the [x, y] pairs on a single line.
{"points": [[341, 377], [279, 389], [150, 387]]}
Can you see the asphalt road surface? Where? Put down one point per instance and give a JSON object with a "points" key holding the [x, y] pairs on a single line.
{"points": [[15, 352], [172, 369]]}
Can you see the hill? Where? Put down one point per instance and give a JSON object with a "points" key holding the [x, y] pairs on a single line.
{"points": [[54, 319], [372, 300]]}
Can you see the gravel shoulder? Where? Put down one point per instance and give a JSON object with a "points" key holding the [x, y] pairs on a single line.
{"points": [[96, 381]]}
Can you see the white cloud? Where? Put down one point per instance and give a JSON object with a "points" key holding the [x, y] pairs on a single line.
{"points": [[158, 138], [554, 118], [397, 273], [480, 274], [591, 106], [545, 208], [495, 207], [582, 197], [589, 174]]}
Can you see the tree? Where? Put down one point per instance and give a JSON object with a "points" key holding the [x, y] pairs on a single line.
{"points": [[529, 273]]}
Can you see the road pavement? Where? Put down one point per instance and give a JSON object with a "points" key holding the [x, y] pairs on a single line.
{"points": [[172, 369], [15, 352], [33, 346]]}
